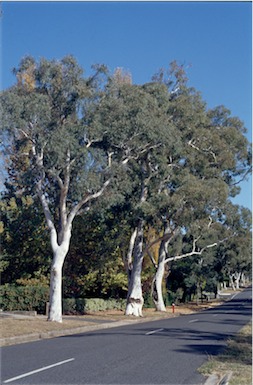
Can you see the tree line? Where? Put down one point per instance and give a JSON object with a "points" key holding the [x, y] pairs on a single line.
{"points": [[117, 186]]}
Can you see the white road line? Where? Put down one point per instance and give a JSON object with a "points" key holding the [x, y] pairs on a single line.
{"points": [[215, 315], [153, 331], [37, 370], [193, 320]]}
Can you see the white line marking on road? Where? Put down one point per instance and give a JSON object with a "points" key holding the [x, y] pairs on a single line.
{"points": [[37, 370], [215, 315], [193, 320], [233, 296], [153, 331]]}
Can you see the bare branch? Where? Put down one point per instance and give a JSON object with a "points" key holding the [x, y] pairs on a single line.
{"points": [[243, 177], [50, 223], [26, 135], [208, 150], [166, 237], [110, 154], [210, 222], [89, 143], [85, 200], [46, 210], [194, 251], [152, 259], [128, 262]]}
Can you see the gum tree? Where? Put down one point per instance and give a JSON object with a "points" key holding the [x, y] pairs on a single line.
{"points": [[50, 155], [213, 157], [183, 161], [139, 134]]}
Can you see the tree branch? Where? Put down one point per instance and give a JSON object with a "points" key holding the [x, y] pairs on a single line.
{"points": [[46, 210], [128, 262], [208, 150], [194, 251], [152, 259], [84, 201], [165, 237]]}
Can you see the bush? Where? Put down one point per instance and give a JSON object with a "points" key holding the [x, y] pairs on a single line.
{"points": [[24, 298], [83, 305], [34, 298], [73, 306]]}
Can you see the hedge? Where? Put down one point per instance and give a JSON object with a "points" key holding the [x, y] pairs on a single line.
{"points": [[24, 298], [85, 305], [34, 298]]}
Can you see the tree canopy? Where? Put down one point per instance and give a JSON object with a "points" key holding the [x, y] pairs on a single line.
{"points": [[152, 153]]}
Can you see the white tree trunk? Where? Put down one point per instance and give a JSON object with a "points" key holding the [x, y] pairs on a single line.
{"points": [[231, 280], [243, 280], [237, 280], [157, 295], [55, 303], [134, 297], [60, 252]]}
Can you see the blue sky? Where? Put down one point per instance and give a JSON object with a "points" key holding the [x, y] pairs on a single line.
{"points": [[212, 38]]}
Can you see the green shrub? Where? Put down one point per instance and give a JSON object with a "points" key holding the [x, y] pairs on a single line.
{"points": [[24, 298], [34, 298], [73, 306], [148, 301], [83, 305]]}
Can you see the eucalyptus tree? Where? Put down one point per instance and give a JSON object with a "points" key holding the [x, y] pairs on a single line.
{"points": [[139, 135], [212, 157], [234, 258], [50, 154], [181, 159]]}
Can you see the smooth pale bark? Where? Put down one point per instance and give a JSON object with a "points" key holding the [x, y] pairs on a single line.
{"points": [[237, 279], [55, 302], [60, 242], [157, 295], [156, 288], [243, 280], [231, 280], [163, 259], [128, 261], [134, 297], [60, 252]]}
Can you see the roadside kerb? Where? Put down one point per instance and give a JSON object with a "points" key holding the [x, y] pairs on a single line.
{"points": [[76, 330]]}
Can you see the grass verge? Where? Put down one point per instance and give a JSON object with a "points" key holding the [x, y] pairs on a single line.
{"points": [[20, 325], [236, 358]]}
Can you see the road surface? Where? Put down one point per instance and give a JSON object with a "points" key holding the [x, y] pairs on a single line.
{"points": [[167, 351]]}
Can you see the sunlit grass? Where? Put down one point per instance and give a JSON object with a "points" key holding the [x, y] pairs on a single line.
{"points": [[236, 358]]}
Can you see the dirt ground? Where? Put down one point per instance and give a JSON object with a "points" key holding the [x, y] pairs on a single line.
{"points": [[16, 325]]}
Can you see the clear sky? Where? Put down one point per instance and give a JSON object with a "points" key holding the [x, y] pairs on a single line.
{"points": [[212, 38]]}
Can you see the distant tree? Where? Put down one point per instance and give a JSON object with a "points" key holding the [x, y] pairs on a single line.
{"points": [[234, 258]]}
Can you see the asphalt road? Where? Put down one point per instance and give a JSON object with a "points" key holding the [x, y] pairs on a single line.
{"points": [[167, 351]]}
